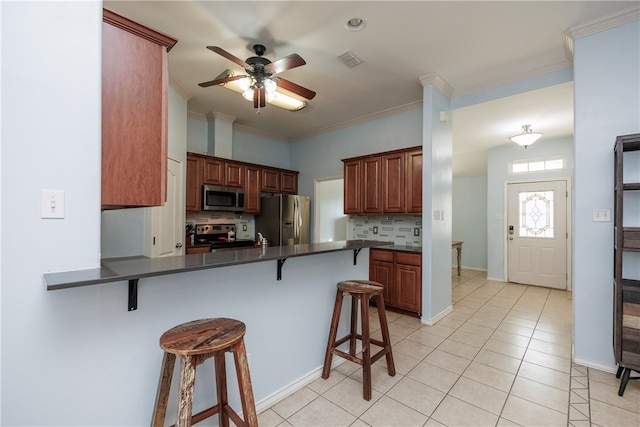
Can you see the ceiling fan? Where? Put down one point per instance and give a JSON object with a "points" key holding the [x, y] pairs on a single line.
{"points": [[260, 83]]}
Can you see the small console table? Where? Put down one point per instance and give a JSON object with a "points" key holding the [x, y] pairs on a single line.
{"points": [[458, 247]]}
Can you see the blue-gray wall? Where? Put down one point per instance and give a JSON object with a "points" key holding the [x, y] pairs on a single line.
{"points": [[470, 220]]}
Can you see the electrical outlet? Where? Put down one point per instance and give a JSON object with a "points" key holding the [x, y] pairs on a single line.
{"points": [[602, 215], [375, 229], [416, 231], [244, 227]]}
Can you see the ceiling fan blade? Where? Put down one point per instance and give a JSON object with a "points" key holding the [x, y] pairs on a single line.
{"points": [[288, 62], [295, 88], [220, 81], [227, 55]]}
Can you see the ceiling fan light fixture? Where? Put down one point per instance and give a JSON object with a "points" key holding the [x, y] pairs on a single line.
{"points": [[285, 101], [248, 94], [355, 24], [270, 85], [527, 137]]}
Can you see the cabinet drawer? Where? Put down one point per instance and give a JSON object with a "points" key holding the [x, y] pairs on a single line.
{"points": [[408, 258], [378, 255]]}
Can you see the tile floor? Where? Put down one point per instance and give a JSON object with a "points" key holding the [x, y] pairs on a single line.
{"points": [[501, 358]]}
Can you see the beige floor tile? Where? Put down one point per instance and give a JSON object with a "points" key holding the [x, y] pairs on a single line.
{"points": [[516, 329], [416, 395], [503, 422], [346, 368], [412, 349], [454, 412], [409, 321], [555, 328], [348, 396], [481, 331], [607, 393], [541, 394], [450, 323], [527, 413], [561, 350], [435, 377], [548, 360], [439, 330], [321, 412], [580, 423], [505, 348], [551, 337], [400, 330], [293, 403], [610, 378], [269, 418], [579, 395], [510, 338], [401, 361], [389, 412], [468, 338], [498, 361], [489, 376], [488, 322], [450, 362], [607, 415], [480, 395], [459, 349], [433, 423], [380, 378], [544, 375], [579, 411], [521, 322], [320, 385], [423, 337]]}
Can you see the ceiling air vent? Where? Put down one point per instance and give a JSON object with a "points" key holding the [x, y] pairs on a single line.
{"points": [[349, 59]]}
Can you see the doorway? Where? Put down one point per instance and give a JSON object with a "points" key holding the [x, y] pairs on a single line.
{"points": [[537, 233], [331, 222]]}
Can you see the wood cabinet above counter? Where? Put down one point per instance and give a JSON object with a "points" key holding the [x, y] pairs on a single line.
{"points": [[380, 183], [254, 179]]}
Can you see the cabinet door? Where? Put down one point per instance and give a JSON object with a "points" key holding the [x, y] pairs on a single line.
{"points": [[252, 190], [134, 114], [213, 171], [413, 190], [234, 175], [393, 177], [194, 183], [372, 185], [352, 194], [270, 180], [408, 281], [289, 182], [381, 271]]}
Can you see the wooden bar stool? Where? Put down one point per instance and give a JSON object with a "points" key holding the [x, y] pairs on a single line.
{"points": [[362, 291], [194, 342]]}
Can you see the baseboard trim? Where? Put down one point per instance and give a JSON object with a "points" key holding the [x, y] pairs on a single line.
{"points": [[595, 365], [435, 319]]}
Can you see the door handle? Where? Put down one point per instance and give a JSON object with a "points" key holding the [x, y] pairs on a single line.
{"points": [[510, 238]]}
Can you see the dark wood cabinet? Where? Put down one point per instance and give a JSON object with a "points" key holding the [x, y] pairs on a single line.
{"points": [[389, 182], [626, 283], [279, 181], [234, 174], [400, 273], [214, 170], [289, 182], [252, 187], [193, 193], [134, 113], [270, 180]]}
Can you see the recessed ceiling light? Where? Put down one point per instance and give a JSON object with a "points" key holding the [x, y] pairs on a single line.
{"points": [[355, 24]]}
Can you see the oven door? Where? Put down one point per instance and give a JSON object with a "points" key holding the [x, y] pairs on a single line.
{"points": [[220, 199]]}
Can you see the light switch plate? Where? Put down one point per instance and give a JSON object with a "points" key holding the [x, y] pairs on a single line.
{"points": [[52, 205], [602, 215]]}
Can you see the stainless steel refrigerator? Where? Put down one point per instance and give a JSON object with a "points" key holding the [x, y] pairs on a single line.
{"points": [[284, 219]]}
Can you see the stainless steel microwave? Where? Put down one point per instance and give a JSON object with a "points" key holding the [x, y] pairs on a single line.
{"points": [[222, 199]]}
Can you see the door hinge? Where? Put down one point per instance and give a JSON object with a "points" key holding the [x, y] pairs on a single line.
{"points": [[154, 240]]}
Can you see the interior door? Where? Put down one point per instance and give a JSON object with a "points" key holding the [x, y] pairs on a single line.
{"points": [[537, 233], [167, 225]]}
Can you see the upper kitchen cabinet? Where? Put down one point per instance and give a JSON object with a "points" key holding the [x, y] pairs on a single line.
{"points": [[195, 167], [134, 113], [389, 182], [227, 173], [279, 181], [289, 182]]}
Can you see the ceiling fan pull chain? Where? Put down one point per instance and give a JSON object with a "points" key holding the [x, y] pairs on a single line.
{"points": [[258, 112]]}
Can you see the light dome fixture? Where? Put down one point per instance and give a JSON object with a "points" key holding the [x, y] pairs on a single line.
{"points": [[355, 24], [526, 138]]}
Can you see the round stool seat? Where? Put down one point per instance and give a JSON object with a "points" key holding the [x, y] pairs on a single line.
{"points": [[202, 336], [360, 286]]}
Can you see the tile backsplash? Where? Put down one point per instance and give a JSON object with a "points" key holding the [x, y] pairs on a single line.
{"points": [[399, 229]]}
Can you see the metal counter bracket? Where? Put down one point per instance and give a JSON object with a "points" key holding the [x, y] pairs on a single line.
{"points": [[355, 255], [133, 294], [280, 262]]}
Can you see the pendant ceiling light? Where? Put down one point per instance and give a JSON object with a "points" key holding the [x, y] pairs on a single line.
{"points": [[527, 137]]}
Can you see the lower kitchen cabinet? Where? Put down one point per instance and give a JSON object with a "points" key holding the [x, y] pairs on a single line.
{"points": [[400, 273]]}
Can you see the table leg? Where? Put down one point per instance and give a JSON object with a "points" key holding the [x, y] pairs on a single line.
{"points": [[459, 250]]}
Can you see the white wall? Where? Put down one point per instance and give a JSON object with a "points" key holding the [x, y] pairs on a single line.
{"points": [[497, 178], [469, 222], [329, 207], [607, 104]]}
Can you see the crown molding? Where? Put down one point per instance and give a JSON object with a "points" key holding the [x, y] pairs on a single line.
{"points": [[374, 116], [259, 132], [469, 90], [196, 115], [602, 24], [178, 88], [221, 116], [437, 81]]}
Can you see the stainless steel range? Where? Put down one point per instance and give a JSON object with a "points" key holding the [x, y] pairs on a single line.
{"points": [[219, 236]]}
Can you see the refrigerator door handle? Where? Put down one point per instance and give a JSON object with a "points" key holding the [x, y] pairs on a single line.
{"points": [[297, 217]]}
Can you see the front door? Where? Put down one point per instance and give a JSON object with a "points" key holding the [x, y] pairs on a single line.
{"points": [[537, 233]]}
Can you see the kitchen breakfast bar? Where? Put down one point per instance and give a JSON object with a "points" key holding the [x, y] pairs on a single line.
{"points": [[284, 295]]}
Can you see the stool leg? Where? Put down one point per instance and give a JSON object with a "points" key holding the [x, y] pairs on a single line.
{"points": [[333, 331], [354, 325], [244, 382], [221, 388], [185, 399], [386, 339], [366, 353], [164, 387]]}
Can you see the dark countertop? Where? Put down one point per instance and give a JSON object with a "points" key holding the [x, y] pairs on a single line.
{"points": [[415, 249], [133, 268]]}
